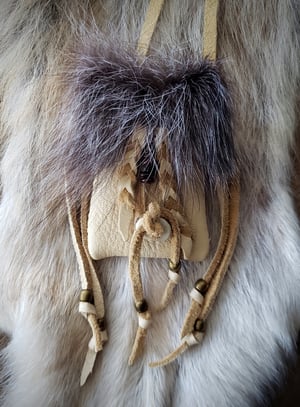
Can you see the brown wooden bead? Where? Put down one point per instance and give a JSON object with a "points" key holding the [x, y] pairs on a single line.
{"points": [[101, 323], [141, 306], [201, 286], [87, 296], [199, 325]]}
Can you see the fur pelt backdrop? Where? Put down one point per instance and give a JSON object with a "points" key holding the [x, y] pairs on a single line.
{"points": [[252, 330]]}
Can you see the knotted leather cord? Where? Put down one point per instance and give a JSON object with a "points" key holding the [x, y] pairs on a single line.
{"points": [[196, 306], [202, 303], [91, 304], [167, 188], [149, 225], [98, 299], [98, 296]]}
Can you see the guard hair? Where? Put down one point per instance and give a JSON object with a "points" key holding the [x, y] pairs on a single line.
{"points": [[110, 92], [252, 330]]}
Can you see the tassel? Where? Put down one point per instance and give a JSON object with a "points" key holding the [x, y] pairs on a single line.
{"points": [[89, 362], [138, 346], [189, 340], [174, 279]]}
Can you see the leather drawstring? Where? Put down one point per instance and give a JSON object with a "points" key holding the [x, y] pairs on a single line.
{"points": [[205, 290], [151, 225]]}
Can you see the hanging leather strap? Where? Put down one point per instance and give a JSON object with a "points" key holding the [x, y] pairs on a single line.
{"points": [[150, 22], [91, 304], [209, 48]]}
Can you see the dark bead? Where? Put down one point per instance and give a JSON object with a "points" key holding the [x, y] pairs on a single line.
{"points": [[101, 323], [147, 175], [141, 306], [201, 286], [87, 296], [199, 325]]}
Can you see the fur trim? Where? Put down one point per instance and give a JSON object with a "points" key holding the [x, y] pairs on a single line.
{"points": [[109, 92]]}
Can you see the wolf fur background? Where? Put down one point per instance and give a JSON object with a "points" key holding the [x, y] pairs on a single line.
{"points": [[252, 330]]}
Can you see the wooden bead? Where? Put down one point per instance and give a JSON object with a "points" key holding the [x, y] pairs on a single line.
{"points": [[174, 267], [141, 306], [201, 286], [101, 323], [87, 296], [199, 325]]}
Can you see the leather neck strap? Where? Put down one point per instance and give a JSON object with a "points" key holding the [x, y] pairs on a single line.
{"points": [[149, 25], [210, 29]]}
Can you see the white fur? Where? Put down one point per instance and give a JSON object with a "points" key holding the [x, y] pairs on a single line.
{"points": [[253, 326]]}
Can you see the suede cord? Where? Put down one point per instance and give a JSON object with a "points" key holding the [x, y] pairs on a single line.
{"points": [[150, 225], [92, 306], [202, 304], [195, 308], [150, 22], [210, 29]]}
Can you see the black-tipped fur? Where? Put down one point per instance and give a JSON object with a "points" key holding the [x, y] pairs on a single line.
{"points": [[110, 92]]}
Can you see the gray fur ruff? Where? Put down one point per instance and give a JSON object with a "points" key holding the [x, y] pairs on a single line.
{"points": [[110, 92]]}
